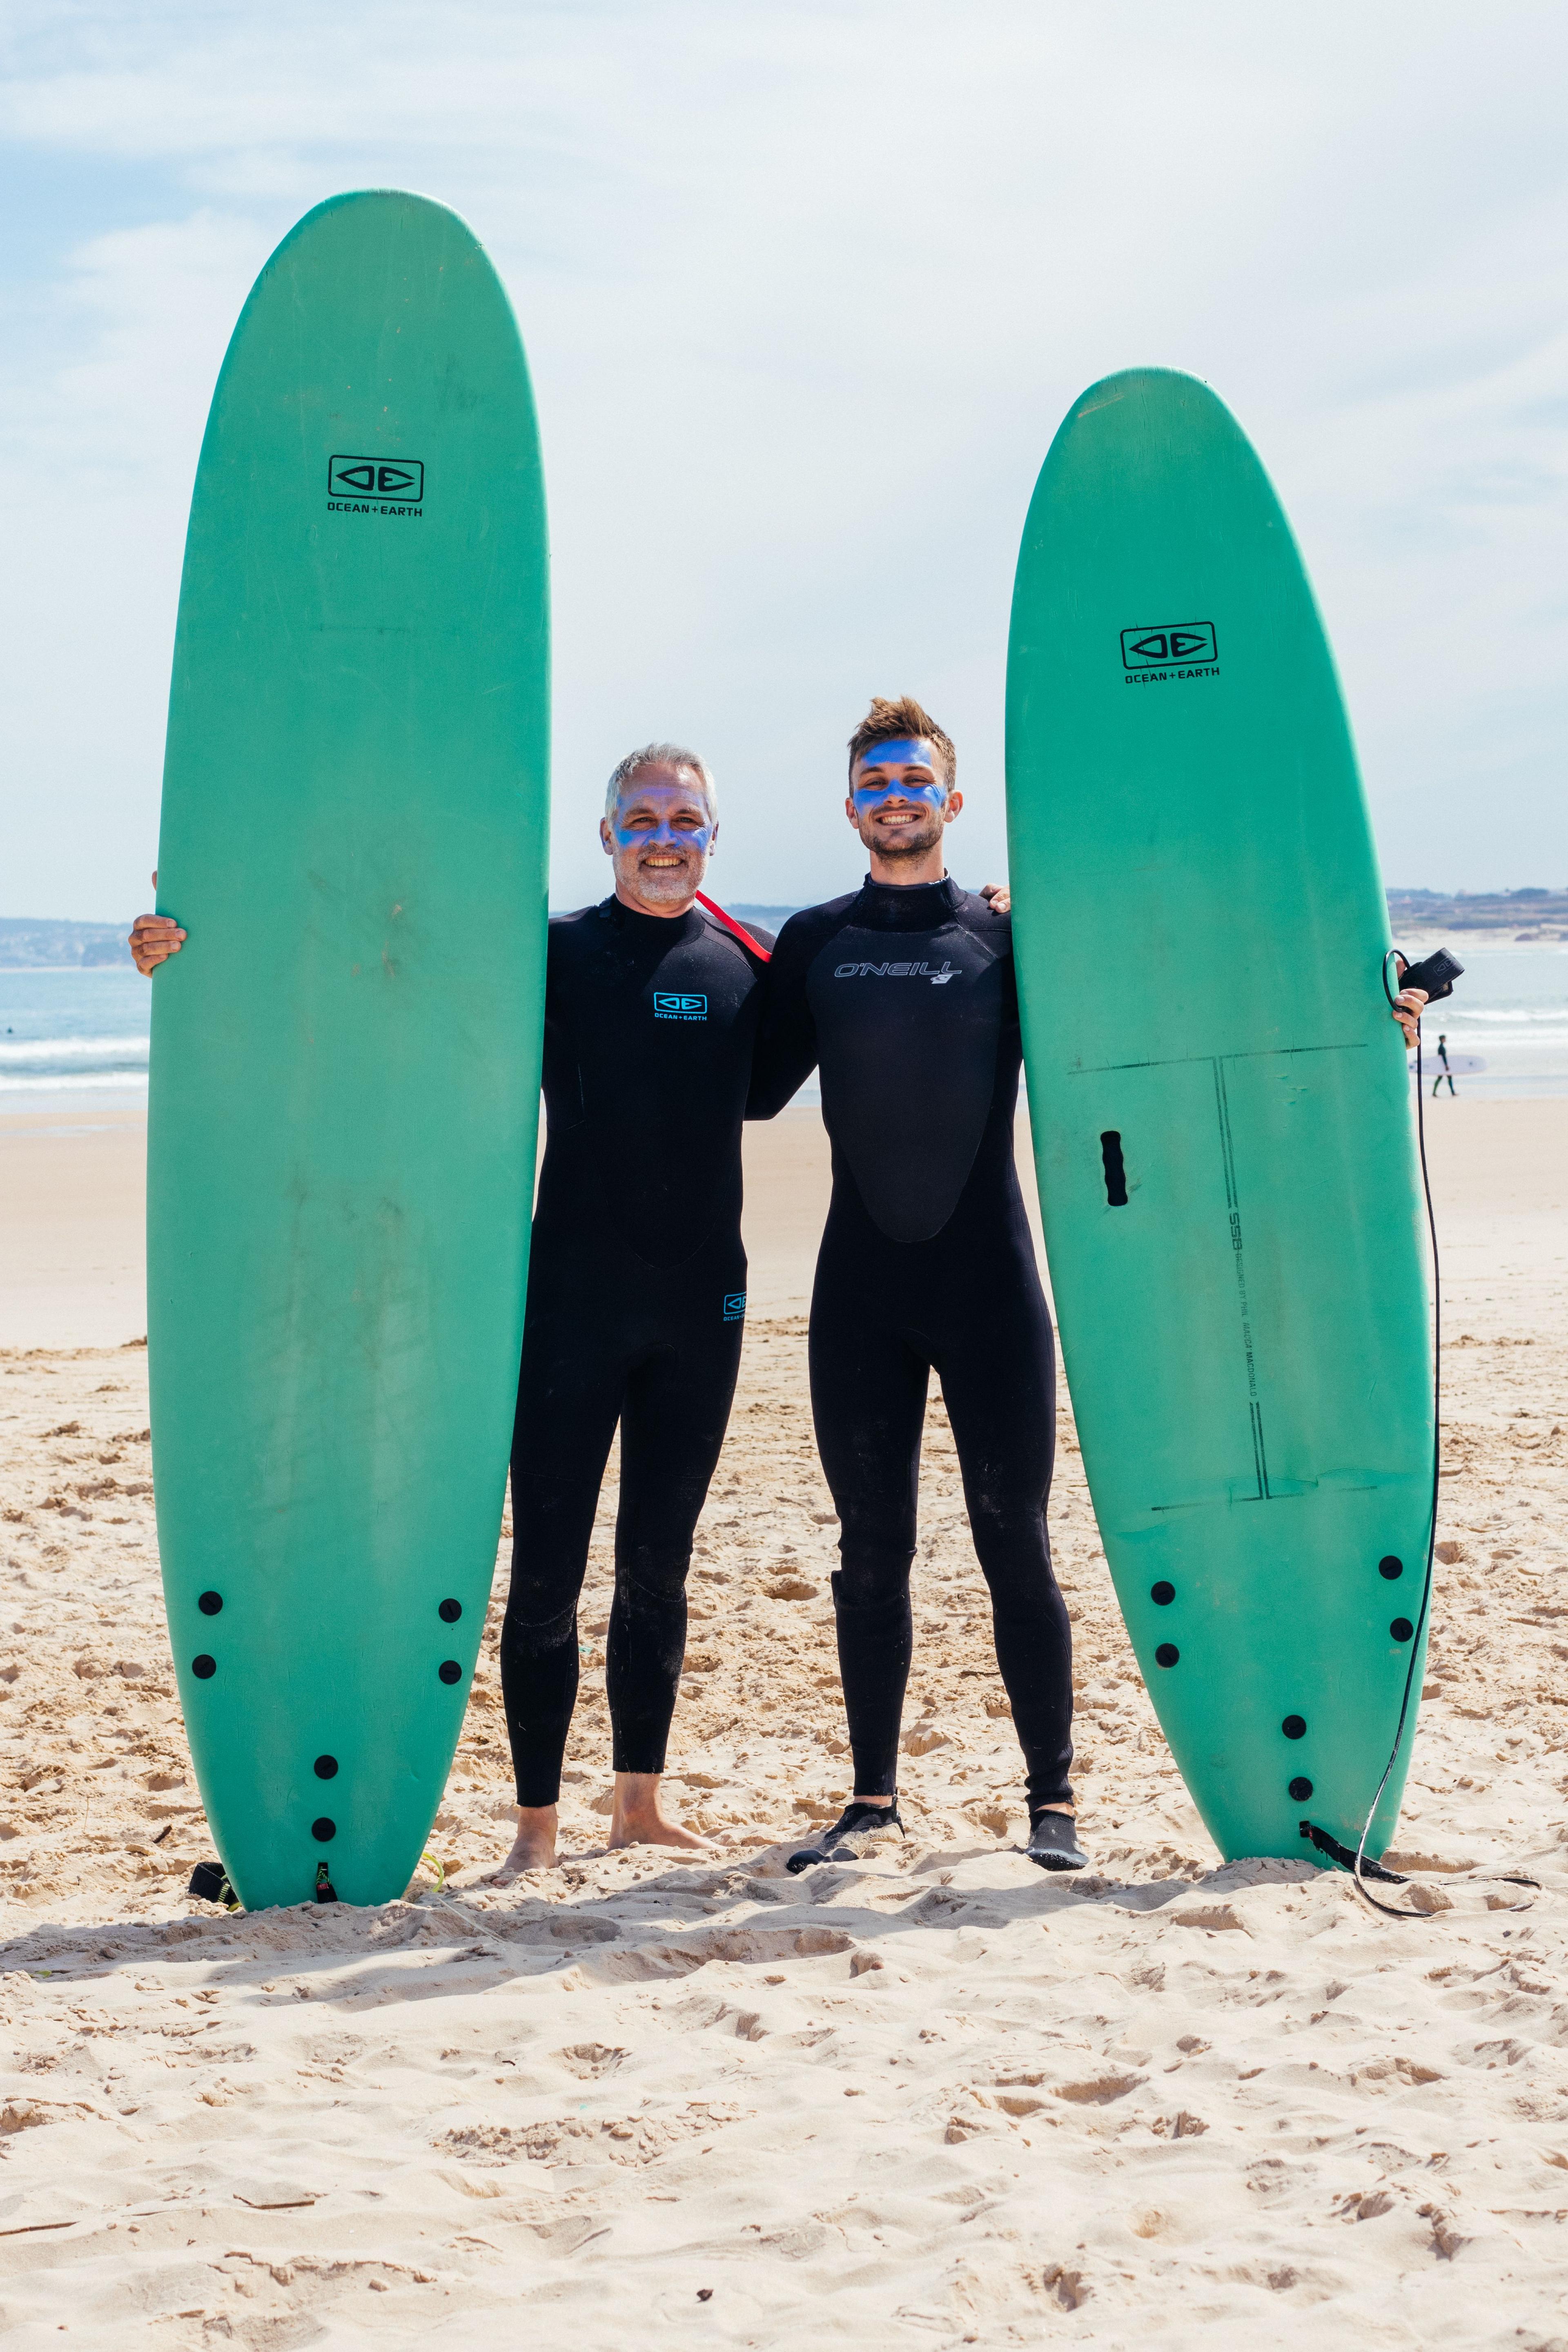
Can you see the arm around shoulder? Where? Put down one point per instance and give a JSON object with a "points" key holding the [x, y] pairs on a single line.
{"points": [[785, 1052]]}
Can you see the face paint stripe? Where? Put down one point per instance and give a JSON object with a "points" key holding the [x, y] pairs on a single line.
{"points": [[870, 796], [662, 836], [904, 751]]}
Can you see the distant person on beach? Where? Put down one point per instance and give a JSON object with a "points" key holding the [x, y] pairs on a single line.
{"points": [[904, 995], [1445, 1072]]}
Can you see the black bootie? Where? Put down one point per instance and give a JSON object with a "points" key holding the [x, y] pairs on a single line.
{"points": [[858, 1832], [1053, 1842]]}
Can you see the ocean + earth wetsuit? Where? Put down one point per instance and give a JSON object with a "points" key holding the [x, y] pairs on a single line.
{"points": [[905, 996], [636, 1301]]}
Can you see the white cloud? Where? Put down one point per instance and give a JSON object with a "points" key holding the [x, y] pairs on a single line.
{"points": [[807, 290]]}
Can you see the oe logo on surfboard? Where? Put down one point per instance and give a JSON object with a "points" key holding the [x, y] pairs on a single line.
{"points": [[668, 1006], [1170, 649], [375, 485]]}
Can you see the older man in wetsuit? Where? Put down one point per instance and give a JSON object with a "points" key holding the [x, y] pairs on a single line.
{"points": [[636, 1289]]}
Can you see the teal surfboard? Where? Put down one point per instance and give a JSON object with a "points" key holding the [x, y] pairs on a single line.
{"points": [[1222, 1118], [346, 1053]]}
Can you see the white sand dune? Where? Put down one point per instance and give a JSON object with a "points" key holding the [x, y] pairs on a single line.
{"points": [[942, 2100]]}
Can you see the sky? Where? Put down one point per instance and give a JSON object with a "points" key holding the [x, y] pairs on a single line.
{"points": [[806, 289]]}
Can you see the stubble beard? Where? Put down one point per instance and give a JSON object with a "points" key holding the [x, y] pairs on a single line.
{"points": [[906, 841]]}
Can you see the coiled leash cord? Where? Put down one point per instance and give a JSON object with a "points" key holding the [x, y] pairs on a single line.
{"points": [[1359, 1868]]}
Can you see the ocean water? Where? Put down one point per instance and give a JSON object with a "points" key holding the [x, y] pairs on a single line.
{"points": [[70, 1033], [66, 1033], [1507, 1021]]}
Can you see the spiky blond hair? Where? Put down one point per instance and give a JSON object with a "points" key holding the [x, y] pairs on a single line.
{"points": [[886, 722]]}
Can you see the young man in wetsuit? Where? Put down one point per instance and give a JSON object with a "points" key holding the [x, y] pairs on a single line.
{"points": [[636, 1286], [903, 993]]}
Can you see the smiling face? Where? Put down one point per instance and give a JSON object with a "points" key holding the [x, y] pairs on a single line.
{"points": [[899, 802], [660, 839]]}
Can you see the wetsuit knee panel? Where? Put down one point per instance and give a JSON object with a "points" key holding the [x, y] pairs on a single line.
{"points": [[550, 1630], [649, 1581], [871, 1576]]}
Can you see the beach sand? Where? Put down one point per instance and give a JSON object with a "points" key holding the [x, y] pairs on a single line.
{"points": [[652, 2101]]}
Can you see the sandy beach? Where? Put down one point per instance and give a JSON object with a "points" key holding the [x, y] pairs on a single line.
{"points": [[649, 2101]]}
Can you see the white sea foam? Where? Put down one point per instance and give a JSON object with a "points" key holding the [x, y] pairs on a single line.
{"points": [[77, 1081], [73, 1053]]}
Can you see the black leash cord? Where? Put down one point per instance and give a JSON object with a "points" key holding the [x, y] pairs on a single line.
{"points": [[1360, 1868]]}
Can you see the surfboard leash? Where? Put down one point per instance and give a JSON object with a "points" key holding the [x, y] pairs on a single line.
{"points": [[738, 929], [1360, 1868]]}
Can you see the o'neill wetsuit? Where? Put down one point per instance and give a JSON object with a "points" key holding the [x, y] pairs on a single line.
{"points": [[636, 1301], [905, 996]]}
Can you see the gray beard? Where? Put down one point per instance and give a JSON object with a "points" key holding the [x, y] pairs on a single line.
{"points": [[671, 882]]}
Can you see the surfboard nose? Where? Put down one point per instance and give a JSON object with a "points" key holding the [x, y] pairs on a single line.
{"points": [[1225, 1172], [345, 1070]]}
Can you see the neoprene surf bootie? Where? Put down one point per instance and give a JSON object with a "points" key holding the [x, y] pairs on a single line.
{"points": [[1053, 1842], [858, 1832]]}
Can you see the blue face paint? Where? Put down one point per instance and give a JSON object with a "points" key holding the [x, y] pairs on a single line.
{"points": [[902, 753], [907, 751], [665, 834], [868, 797]]}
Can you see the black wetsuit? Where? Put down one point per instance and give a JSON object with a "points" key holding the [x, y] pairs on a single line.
{"points": [[905, 996], [636, 1301]]}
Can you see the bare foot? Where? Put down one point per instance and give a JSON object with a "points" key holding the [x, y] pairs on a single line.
{"points": [[639, 1819], [534, 1848]]}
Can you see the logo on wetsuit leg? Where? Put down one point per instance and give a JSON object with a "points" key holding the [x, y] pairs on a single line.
{"points": [[668, 1007], [895, 971], [735, 1306]]}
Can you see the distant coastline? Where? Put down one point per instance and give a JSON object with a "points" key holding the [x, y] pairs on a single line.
{"points": [[1522, 915], [37, 944], [33, 945]]}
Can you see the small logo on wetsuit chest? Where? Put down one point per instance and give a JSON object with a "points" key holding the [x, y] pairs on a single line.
{"points": [[896, 971], [669, 1006], [735, 1307]]}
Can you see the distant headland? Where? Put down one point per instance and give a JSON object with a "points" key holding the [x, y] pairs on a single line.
{"points": [[29, 945], [1521, 914]]}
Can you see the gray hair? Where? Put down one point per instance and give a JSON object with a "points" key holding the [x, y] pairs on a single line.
{"points": [[660, 755]]}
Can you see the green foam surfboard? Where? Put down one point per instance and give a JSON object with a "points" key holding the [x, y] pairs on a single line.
{"points": [[1221, 1113], [346, 1053]]}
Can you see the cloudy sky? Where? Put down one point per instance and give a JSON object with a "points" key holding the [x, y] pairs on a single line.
{"points": [[807, 285]]}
